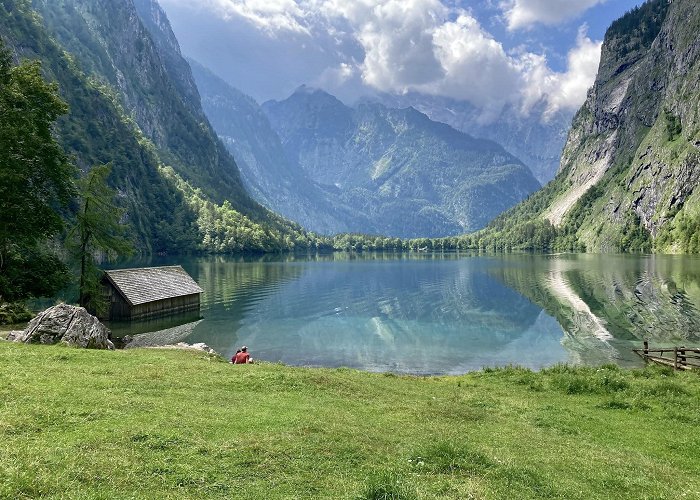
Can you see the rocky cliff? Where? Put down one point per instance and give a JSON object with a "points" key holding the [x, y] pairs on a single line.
{"points": [[629, 172]]}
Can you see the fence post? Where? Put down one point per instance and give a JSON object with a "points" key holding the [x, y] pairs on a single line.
{"points": [[675, 358], [682, 356], [646, 348]]}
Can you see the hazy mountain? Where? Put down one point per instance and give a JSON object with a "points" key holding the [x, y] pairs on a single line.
{"points": [[268, 174], [408, 175], [536, 137]]}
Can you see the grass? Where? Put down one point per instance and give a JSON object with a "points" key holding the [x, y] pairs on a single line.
{"points": [[166, 424]]}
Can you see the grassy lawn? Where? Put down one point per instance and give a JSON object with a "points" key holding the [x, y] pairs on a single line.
{"points": [[166, 424]]}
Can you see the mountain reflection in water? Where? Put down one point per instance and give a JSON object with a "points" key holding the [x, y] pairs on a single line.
{"points": [[440, 314]]}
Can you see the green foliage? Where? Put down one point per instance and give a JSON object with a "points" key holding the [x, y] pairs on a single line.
{"points": [[31, 271], [638, 28], [97, 231], [520, 228], [681, 234], [672, 126], [223, 229], [634, 237], [14, 312], [36, 180]]}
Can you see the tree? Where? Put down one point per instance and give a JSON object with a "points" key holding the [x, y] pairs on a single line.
{"points": [[97, 231], [36, 180]]}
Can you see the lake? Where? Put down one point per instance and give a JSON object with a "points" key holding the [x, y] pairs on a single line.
{"points": [[435, 313]]}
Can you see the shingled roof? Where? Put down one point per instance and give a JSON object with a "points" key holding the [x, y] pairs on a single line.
{"points": [[148, 284]]}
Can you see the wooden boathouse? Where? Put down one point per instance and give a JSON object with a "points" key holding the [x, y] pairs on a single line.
{"points": [[148, 292]]}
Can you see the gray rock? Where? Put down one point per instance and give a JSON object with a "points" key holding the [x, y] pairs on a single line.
{"points": [[12, 335], [199, 346], [71, 325]]}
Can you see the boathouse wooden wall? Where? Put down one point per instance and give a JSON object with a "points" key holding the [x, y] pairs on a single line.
{"points": [[121, 310], [140, 293]]}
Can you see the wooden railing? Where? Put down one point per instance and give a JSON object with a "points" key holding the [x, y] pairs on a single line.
{"points": [[679, 358]]}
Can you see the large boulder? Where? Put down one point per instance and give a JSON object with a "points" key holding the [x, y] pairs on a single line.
{"points": [[71, 325]]}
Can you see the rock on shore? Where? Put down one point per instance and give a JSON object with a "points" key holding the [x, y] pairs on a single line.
{"points": [[68, 324]]}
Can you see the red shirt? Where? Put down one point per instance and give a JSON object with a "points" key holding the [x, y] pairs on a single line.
{"points": [[241, 358]]}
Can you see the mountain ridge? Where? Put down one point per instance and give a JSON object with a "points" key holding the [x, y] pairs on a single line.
{"points": [[412, 176], [629, 172]]}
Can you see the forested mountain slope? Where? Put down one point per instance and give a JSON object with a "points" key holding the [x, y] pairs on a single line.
{"points": [[630, 171], [111, 43], [131, 106]]}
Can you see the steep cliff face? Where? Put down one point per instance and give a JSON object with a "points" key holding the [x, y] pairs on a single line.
{"points": [[634, 148], [141, 61], [630, 169], [268, 174], [410, 176], [156, 22]]}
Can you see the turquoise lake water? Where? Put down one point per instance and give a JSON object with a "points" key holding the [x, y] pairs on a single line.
{"points": [[435, 313]]}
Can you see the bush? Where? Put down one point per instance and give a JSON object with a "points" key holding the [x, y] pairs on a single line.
{"points": [[15, 312]]}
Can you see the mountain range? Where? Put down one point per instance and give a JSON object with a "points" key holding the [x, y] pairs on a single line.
{"points": [[367, 169], [536, 137], [404, 166]]}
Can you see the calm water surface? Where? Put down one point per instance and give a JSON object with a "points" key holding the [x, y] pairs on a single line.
{"points": [[436, 314]]}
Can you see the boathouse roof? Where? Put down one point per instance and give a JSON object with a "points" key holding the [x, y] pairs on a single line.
{"points": [[149, 284]]}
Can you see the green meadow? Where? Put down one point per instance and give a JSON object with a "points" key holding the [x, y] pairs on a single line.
{"points": [[157, 423]]}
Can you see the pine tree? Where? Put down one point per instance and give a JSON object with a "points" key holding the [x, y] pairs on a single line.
{"points": [[97, 231]]}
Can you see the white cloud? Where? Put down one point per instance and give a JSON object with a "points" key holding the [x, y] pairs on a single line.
{"points": [[398, 46], [336, 76], [268, 15], [524, 13], [397, 38], [477, 69], [565, 90], [413, 45]]}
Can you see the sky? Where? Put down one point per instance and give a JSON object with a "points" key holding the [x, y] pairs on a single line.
{"points": [[491, 53]]}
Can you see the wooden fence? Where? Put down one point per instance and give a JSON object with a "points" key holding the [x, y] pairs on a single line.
{"points": [[680, 358]]}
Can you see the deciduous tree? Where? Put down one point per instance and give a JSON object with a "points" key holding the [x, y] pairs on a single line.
{"points": [[36, 179]]}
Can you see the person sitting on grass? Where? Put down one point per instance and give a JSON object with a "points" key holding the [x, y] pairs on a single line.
{"points": [[233, 358], [242, 357]]}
